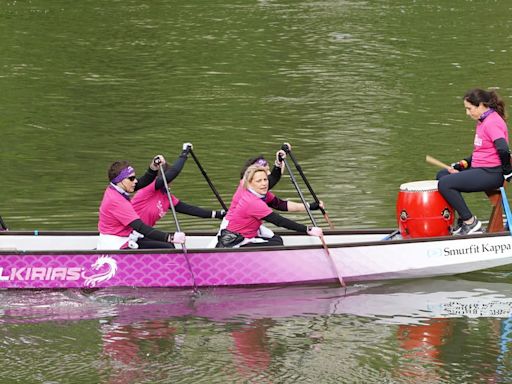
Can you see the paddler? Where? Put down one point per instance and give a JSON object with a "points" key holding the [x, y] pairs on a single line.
{"points": [[270, 199], [243, 228], [152, 203], [119, 225]]}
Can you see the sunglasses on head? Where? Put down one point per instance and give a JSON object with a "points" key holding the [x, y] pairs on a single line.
{"points": [[261, 162], [131, 178]]}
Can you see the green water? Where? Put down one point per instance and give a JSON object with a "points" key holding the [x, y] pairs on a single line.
{"points": [[362, 91]]}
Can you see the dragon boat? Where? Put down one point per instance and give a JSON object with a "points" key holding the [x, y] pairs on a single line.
{"points": [[56, 259]]}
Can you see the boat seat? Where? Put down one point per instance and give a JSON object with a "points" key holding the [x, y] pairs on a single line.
{"points": [[496, 218]]}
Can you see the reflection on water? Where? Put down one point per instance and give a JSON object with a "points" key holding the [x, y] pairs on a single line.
{"points": [[272, 334]]}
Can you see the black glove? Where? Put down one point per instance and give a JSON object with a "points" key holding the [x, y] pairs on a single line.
{"points": [[219, 214], [314, 206], [461, 165]]}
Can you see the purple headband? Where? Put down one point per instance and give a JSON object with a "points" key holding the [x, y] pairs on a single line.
{"points": [[261, 162], [125, 172]]}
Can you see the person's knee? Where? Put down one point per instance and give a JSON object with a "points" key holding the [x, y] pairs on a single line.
{"points": [[444, 185], [442, 173]]}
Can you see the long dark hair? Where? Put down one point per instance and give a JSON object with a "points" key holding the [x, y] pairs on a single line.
{"points": [[488, 98]]}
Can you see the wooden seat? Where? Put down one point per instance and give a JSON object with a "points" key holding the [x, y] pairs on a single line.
{"points": [[496, 219]]}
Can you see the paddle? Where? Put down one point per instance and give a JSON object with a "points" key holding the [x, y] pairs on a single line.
{"points": [[2, 225], [178, 229], [434, 161], [299, 168], [506, 208], [209, 181], [294, 182], [392, 234]]}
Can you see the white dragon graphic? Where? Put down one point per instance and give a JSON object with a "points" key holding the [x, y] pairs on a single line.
{"points": [[91, 281]]}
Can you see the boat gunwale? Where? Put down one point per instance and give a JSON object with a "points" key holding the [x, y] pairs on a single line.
{"points": [[238, 250]]}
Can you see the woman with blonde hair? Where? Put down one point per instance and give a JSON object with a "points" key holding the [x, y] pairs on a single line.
{"points": [[251, 211]]}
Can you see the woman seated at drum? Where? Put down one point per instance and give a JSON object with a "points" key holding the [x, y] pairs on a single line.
{"points": [[152, 202], [251, 210], [489, 164], [119, 225]]}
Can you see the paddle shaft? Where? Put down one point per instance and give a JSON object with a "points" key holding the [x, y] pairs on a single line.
{"points": [[324, 245], [434, 161], [506, 208], [176, 221], [2, 224], [214, 190], [315, 197], [294, 182]]}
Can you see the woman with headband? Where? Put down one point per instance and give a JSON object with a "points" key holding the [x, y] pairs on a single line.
{"points": [[119, 225]]}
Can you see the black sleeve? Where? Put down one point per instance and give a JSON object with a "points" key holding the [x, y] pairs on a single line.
{"points": [[148, 231], [281, 221], [191, 210], [468, 159], [173, 171], [146, 179], [277, 203], [274, 177], [504, 154]]}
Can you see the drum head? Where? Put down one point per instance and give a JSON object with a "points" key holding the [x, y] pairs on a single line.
{"points": [[420, 186]]}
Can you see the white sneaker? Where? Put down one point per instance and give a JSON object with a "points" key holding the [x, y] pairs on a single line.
{"points": [[468, 229]]}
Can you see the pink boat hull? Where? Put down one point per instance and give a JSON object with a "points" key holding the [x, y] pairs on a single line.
{"points": [[26, 262], [162, 269]]}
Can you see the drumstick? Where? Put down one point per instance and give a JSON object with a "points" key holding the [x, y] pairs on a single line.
{"points": [[434, 161]]}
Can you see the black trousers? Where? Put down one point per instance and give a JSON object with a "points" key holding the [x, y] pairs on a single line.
{"points": [[145, 243], [469, 180]]}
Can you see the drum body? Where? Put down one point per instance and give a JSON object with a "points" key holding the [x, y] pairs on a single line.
{"points": [[422, 211]]}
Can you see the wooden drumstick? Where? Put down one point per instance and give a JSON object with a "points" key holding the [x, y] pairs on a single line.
{"points": [[434, 161]]}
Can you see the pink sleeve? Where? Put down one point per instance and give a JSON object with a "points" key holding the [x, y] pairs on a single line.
{"points": [[123, 211], [258, 209], [496, 129], [495, 133]]}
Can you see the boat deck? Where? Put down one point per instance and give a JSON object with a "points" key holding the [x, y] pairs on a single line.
{"points": [[86, 241]]}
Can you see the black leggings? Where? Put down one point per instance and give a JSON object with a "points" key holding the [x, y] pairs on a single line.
{"points": [[275, 240], [470, 180], [145, 243]]}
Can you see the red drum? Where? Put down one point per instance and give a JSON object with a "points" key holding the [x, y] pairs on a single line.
{"points": [[422, 211]]}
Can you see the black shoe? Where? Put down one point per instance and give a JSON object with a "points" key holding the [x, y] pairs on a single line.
{"points": [[457, 227], [468, 229]]}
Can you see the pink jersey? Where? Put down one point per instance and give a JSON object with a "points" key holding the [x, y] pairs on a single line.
{"points": [[247, 216], [487, 131], [238, 194], [152, 204], [116, 212]]}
